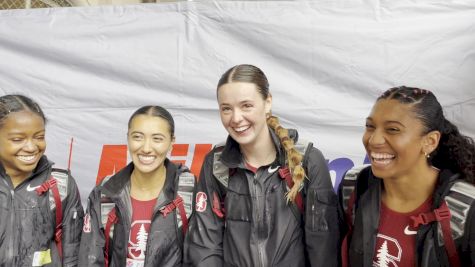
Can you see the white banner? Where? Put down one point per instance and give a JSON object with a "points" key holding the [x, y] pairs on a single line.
{"points": [[327, 61]]}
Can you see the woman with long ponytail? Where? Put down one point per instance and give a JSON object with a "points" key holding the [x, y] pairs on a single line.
{"points": [[263, 197], [414, 206]]}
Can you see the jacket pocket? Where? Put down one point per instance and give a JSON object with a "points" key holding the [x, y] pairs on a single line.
{"points": [[321, 211], [238, 206]]}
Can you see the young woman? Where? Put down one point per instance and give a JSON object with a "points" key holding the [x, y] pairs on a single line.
{"points": [[139, 216], [264, 198], [414, 205], [33, 231]]}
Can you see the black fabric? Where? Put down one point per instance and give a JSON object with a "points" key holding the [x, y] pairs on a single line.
{"points": [[27, 222]]}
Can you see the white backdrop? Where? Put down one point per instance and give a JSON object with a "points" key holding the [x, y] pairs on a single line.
{"points": [[327, 61]]}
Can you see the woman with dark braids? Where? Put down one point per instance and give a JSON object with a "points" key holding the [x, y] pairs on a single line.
{"points": [[264, 197], [414, 205], [41, 215]]}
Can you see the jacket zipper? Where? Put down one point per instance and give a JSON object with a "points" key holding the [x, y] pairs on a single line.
{"points": [[13, 232], [256, 205]]}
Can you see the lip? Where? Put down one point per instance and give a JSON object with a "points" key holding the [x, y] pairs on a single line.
{"points": [[28, 159], [146, 159], [381, 159], [241, 129]]}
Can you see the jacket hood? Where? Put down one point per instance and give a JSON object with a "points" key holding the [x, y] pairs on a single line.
{"points": [[121, 180]]}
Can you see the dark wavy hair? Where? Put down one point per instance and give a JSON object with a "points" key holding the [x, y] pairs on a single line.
{"points": [[16, 103], [455, 151], [155, 111]]}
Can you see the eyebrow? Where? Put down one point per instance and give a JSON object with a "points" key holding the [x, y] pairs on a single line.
{"points": [[388, 122], [154, 134]]}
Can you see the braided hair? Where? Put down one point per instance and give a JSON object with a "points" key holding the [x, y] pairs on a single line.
{"points": [[455, 151], [252, 74], [16, 103]]}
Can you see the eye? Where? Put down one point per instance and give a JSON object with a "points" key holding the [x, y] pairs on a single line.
{"points": [[40, 137], [225, 109], [137, 137], [369, 126], [17, 139], [392, 130], [247, 106], [158, 139]]}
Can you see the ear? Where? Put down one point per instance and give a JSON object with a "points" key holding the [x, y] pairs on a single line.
{"points": [[430, 142], [268, 104], [172, 143]]}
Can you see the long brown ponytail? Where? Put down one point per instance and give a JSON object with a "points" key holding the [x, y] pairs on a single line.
{"points": [[293, 157]]}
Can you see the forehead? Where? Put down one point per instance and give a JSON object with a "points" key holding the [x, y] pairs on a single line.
{"points": [[238, 92], [22, 121], [386, 110], [148, 123]]}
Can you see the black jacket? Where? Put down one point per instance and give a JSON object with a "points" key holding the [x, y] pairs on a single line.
{"points": [[429, 251], [259, 228], [165, 238], [27, 223]]}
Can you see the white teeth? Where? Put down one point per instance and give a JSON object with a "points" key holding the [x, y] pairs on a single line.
{"points": [[381, 156], [241, 129], [26, 158], [146, 159]]}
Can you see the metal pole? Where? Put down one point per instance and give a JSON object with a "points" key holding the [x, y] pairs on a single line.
{"points": [[27, 4]]}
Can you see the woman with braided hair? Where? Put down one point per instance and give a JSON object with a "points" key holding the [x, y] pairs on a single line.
{"points": [[264, 198], [41, 215], [414, 206]]}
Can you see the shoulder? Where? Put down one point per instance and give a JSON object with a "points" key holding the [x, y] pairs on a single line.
{"points": [[460, 200]]}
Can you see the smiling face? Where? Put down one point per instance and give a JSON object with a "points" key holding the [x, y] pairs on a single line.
{"points": [[149, 140], [243, 112], [22, 143], [395, 141]]}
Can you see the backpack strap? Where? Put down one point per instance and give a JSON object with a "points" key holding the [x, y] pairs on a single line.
{"points": [[58, 185], [349, 198], [108, 219], [186, 186], [442, 216]]}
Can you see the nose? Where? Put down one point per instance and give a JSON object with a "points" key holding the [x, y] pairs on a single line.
{"points": [[376, 138], [147, 145], [30, 146], [237, 116]]}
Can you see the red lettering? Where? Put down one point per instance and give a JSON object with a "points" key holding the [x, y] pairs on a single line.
{"points": [[199, 156], [113, 158]]}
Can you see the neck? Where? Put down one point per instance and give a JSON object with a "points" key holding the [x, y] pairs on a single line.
{"points": [[146, 186], [407, 193], [17, 178], [260, 153]]}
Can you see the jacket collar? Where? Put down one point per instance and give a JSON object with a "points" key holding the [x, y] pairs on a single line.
{"points": [[43, 165], [121, 180], [232, 156]]}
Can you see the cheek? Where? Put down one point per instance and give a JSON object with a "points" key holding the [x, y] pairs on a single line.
{"points": [[224, 118]]}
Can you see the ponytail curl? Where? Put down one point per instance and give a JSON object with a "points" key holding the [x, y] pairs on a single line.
{"points": [[455, 152], [293, 157]]}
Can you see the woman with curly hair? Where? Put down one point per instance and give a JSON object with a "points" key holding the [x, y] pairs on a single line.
{"points": [[414, 206]]}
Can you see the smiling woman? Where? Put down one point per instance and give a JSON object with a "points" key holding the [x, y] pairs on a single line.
{"points": [[254, 205], [27, 175], [138, 199], [414, 206]]}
